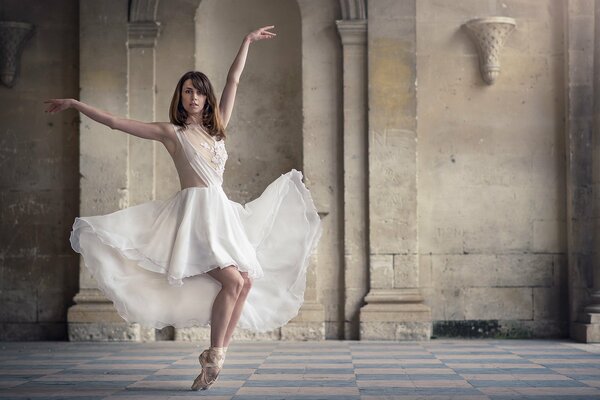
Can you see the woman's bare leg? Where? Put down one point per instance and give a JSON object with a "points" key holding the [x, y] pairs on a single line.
{"points": [[232, 285], [237, 310]]}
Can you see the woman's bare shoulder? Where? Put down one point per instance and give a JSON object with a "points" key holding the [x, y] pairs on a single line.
{"points": [[169, 137]]}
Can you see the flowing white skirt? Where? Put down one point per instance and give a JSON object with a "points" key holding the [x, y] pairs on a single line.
{"points": [[151, 259]]}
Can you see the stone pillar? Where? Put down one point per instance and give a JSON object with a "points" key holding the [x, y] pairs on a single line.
{"points": [[103, 156], [353, 33], [116, 70], [587, 326], [394, 308], [141, 43], [318, 317]]}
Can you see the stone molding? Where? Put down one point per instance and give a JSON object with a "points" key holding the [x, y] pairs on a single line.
{"points": [[395, 314], [397, 296], [142, 34], [352, 32], [489, 35]]}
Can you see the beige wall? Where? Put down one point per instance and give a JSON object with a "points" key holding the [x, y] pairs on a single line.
{"points": [[491, 173], [265, 131], [472, 214], [39, 182]]}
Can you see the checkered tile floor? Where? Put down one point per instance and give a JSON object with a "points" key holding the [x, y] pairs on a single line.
{"points": [[448, 369]]}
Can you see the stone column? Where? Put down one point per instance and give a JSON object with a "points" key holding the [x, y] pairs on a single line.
{"points": [[141, 43], [353, 33], [318, 106], [103, 156], [394, 308], [117, 70], [586, 234]]}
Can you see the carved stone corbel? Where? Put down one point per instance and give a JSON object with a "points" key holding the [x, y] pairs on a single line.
{"points": [[489, 35], [13, 36]]}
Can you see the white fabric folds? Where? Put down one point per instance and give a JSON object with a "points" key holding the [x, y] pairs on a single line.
{"points": [[151, 259]]}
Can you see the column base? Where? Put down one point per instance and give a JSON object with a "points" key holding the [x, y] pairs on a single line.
{"points": [[395, 314], [587, 328], [94, 318]]}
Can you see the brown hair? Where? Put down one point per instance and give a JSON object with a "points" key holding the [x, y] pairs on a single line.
{"points": [[211, 117]]}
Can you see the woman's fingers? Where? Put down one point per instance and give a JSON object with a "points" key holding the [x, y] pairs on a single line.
{"points": [[263, 34], [54, 105]]}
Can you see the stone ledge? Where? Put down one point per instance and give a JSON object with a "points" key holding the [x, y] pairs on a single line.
{"points": [[398, 330], [203, 334], [109, 332]]}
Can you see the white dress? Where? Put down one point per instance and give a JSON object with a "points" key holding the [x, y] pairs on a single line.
{"points": [[151, 259]]}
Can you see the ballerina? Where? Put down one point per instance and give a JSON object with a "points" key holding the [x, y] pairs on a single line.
{"points": [[192, 259]]}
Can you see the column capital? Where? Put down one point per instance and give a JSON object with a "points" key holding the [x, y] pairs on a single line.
{"points": [[352, 31], [142, 34]]}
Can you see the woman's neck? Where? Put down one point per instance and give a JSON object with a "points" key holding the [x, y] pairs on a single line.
{"points": [[194, 120]]}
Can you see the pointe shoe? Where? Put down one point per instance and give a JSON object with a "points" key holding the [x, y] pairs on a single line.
{"points": [[204, 354], [211, 360]]}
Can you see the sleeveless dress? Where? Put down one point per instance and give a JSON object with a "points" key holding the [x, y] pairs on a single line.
{"points": [[151, 259]]}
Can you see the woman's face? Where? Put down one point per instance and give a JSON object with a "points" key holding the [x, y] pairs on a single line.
{"points": [[191, 99]]}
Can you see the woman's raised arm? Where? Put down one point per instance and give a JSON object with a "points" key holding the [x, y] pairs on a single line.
{"points": [[233, 77], [154, 130]]}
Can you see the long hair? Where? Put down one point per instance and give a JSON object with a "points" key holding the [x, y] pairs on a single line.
{"points": [[211, 117]]}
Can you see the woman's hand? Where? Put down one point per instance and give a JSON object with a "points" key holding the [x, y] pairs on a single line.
{"points": [[58, 105], [261, 33]]}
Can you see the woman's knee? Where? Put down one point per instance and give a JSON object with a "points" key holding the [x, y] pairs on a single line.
{"points": [[230, 279], [247, 283], [234, 283]]}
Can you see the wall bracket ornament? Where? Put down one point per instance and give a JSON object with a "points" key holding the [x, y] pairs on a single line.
{"points": [[489, 35], [13, 36]]}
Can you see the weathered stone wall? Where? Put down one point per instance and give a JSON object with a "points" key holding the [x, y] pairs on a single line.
{"points": [[39, 183], [491, 170], [465, 209]]}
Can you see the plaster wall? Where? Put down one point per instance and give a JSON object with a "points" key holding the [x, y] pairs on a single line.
{"points": [[265, 131], [491, 168], [39, 182]]}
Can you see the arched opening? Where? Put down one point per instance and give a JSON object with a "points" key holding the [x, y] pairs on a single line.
{"points": [[265, 131]]}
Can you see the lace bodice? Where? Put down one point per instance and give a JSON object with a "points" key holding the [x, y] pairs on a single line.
{"points": [[203, 153], [206, 146], [219, 154]]}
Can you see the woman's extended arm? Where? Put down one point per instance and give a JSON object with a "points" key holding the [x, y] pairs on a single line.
{"points": [[154, 130], [233, 77]]}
